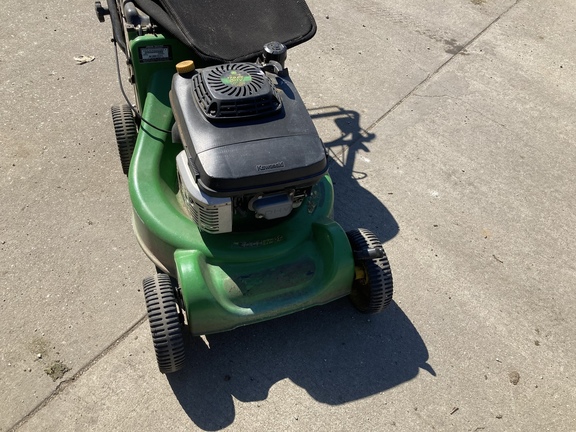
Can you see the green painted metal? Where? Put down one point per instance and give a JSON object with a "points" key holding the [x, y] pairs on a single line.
{"points": [[143, 71], [232, 279]]}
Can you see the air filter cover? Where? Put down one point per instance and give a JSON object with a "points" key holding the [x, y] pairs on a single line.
{"points": [[235, 90]]}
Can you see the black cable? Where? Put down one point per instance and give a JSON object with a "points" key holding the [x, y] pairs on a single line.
{"points": [[116, 21], [136, 113]]}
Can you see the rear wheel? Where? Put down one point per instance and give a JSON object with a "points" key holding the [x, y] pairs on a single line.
{"points": [[165, 323], [126, 132], [372, 288]]}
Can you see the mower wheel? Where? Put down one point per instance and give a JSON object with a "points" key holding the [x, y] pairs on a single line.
{"points": [[372, 288], [126, 133], [165, 322]]}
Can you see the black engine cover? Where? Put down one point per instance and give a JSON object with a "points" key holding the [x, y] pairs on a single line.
{"points": [[243, 154]]}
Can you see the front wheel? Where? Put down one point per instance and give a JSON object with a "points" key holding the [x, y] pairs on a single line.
{"points": [[165, 322], [372, 288]]}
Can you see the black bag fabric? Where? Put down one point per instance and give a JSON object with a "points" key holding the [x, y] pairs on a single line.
{"points": [[232, 30]]}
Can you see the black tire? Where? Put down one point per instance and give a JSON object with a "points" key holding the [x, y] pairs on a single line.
{"points": [[126, 132], [373, 287], [165, 322]]}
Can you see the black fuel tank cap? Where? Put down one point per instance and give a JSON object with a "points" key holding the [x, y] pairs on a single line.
{"points": [[275, 51]]}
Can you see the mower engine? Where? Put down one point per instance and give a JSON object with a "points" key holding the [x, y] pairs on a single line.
{"points": [[251, 151]]}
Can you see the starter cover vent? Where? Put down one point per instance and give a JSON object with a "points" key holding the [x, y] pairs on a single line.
{"points": [[235, 90]]}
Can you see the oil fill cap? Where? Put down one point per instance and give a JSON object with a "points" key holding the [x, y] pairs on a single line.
{"points": [[185, 66]]}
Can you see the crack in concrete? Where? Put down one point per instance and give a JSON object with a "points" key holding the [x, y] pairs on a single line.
{"points": [[64, 384], [462, 48], [439, 69]]}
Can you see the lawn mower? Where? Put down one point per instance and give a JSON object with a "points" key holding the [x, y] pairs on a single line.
{"points": [[228, 177]]}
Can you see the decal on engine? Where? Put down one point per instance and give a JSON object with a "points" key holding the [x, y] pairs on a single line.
{"points": [[236, 78], [270, 166]]}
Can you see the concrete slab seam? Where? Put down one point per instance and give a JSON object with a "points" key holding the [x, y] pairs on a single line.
{"points": [[429, 77], [65, 383]]}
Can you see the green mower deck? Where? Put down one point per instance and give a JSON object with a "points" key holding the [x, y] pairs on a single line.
{"points": [[232, 279]]}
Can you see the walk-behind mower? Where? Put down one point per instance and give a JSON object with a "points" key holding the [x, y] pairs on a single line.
{"points": [[228, 176]]}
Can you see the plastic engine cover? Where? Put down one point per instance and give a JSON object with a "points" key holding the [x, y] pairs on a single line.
{"points": [[236, 156]]}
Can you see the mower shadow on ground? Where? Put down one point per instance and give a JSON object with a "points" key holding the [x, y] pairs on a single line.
{"points": [[333, 352], [354, 206]]}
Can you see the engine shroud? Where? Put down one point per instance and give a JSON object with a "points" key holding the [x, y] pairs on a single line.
{"points": [[234, 91], [246, 131]]}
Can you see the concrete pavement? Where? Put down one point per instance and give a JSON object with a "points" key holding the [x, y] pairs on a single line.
{"points": [[451, 128]]}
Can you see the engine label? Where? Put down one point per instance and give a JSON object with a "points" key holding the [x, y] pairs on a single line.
{"points": [[236, 78]]}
